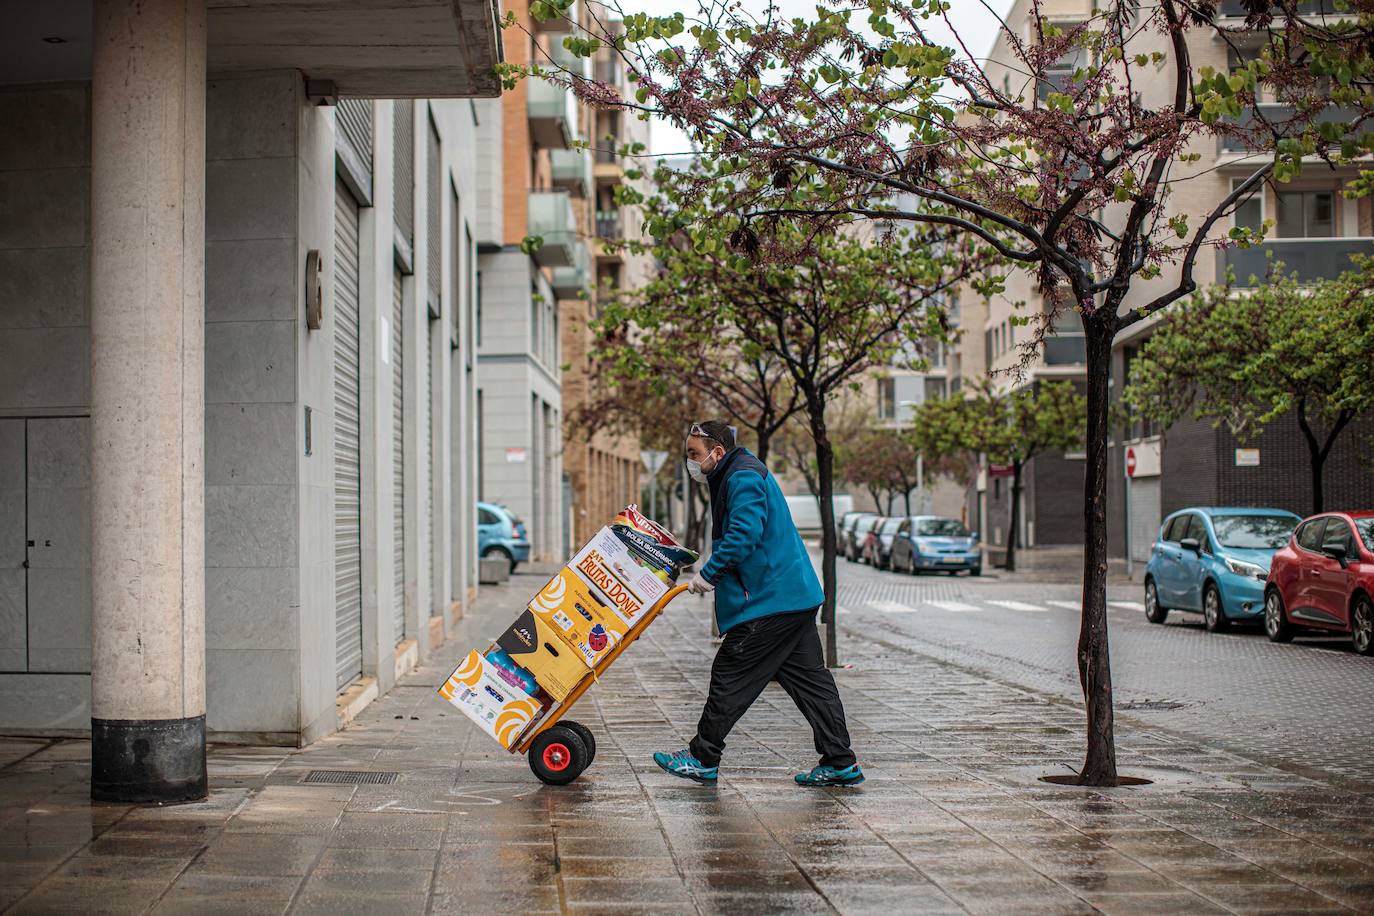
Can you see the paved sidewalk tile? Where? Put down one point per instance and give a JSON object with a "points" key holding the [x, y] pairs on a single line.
{"points": [[953, 818]]}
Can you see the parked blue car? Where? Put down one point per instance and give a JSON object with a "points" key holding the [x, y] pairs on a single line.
{"points": [[928, 542], [501, 534], [1214, 561]]}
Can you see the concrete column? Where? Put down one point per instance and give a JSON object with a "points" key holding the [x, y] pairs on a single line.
{"points": [[148, 401]]}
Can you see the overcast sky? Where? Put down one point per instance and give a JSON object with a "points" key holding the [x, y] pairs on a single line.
{"points": [[972, 19]]}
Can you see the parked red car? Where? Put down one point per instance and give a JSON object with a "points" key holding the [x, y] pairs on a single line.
{"points": [[1324, 579]]}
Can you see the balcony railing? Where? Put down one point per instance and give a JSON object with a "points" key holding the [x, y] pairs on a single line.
{"points": [[608, 224], [571, 169], [1310, 259], [553, 117], [569, 281], [1278, 116], [551, 218], [1236, 8]]}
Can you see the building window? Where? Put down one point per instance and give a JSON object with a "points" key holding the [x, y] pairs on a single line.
{"points": [[887, 398], [1137, 426], [1066, 345], [934, 389], [1250, 213], [1306, 214], [1059, 75]]}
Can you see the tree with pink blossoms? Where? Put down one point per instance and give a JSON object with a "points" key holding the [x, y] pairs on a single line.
{"points": [[1078, 176]]}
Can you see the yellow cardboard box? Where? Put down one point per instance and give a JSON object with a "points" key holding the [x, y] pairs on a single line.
{"points": [[499, 709], [568, 604], [631, 584], [535, 645]]}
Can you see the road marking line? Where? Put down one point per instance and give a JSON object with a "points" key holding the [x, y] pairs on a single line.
{"points": [[1018, 606], [954, 607], [1127, 605], [892, 607], [841, 610], [1068, 605]]}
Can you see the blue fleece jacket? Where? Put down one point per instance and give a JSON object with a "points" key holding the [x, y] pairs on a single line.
{"points": [[758, 563]]}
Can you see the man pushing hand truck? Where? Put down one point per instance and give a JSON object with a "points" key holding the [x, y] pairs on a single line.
{"points": [[767, 595]]}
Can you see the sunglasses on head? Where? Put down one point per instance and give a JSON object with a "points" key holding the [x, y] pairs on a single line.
{"points": [[700, 433]]}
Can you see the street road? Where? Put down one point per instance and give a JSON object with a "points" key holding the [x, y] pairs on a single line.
{"points": [[1309, 704]]}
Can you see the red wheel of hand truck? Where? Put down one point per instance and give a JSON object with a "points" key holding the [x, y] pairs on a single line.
{"points": [[559, 755]]}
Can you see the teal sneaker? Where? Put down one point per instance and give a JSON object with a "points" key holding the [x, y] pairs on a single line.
{"points": [[682, 763], [829, 776]]}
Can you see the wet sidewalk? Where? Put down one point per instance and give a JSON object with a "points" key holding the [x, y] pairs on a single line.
{"points": [[952, 819]]}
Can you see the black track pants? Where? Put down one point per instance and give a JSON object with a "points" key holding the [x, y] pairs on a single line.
{"points": [[788, 648]]}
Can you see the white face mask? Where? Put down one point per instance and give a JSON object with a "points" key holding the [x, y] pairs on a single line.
{"points": [[695, 471]]}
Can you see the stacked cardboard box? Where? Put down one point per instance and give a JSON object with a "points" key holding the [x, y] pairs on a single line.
{"points": [[569, 628]]}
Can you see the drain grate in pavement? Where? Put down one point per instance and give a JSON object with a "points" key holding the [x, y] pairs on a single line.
{"points": [[349, 778], [1150, 705]]}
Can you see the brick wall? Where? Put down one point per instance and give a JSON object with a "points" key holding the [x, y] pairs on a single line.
{"points": [[1199, 468], [1188, 466]]}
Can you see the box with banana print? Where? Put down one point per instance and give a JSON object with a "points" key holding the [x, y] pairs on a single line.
{"points": [[499, 709]]}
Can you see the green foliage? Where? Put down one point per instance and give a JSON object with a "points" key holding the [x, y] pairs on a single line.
{"points": [[1009, 427], [1247, 357], [822, 307]]}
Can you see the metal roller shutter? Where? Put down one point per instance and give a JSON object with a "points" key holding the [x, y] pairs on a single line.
{"points": [[348, 590], [1145, 516], [398, 452], [433, 217], [355, 128], [433, 403], [403, 163]]}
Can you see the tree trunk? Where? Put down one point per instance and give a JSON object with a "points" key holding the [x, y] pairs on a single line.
{"points": [[1014, 529], [1318, 498], [1318, 452], [1094, 662], [888, 510], [693, 541], [876, 496], [765, 440], [825, 472], [906, 496]]}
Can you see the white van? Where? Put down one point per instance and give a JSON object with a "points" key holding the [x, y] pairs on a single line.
{"points": [[806, 511]]}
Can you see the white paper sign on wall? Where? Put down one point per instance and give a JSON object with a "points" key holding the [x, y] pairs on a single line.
{"points": [[516, 455], [1247, 457]]}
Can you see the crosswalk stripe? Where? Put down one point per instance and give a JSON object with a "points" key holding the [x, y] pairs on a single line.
{"points": [[1018, 606], [892, 607], [1127, 605], [954, 607], [1068, 605]]}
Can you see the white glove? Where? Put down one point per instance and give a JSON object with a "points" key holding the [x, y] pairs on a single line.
{"points": [[699, 585]]}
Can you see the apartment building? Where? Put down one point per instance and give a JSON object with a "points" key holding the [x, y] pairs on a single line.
{"points": [[1315, 231], [603, 467], [237, 369], [519, 400], [549, 164]]}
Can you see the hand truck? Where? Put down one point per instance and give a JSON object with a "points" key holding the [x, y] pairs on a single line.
{"points": [[559, 749]]}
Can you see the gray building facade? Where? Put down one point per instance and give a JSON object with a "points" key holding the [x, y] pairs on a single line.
{"points": [[219, 515]]}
